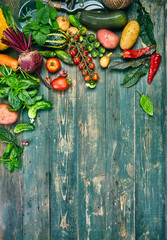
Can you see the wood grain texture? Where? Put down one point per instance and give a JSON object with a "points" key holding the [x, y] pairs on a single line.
{"points": [[95, 166]]}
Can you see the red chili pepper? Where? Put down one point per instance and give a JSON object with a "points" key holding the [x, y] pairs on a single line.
{"points": [[154, 65], [136, 53]]}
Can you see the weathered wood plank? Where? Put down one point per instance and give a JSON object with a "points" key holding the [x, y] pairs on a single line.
{"points": [[91, 158], [63, 164], [120, 202], [150, 140]]}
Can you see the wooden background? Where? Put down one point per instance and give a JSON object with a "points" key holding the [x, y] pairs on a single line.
{"points": [[95, 166]]}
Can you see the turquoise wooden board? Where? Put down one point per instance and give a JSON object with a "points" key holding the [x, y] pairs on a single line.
{"points": [[95, 166]]}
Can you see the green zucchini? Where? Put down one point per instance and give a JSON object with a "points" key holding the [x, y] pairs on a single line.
{"points": [[58, 40], [108, 20], [62, 55]]}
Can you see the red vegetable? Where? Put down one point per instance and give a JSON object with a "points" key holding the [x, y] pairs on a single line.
{"points": [[53, 65], [60, 83], [154, 65], [137, 52], [77, 60], [29, 60], [91, 65], [95, 77]]}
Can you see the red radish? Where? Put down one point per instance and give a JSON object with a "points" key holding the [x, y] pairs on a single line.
{"points": [[29, 60]]}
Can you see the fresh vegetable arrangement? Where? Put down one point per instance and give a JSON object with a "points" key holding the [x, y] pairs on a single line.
{"points": [[65, 39]]}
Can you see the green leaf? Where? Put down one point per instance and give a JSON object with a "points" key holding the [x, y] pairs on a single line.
{"points": [[8, 16], [12, 165], [55, 25], [147, 105], [42, 15], [52, 13], [146, 26], [44, 30], [39, 37], [23, 85], [134, 74], [27, 31], [4, 92], [12, 82], [25, 97], [23, 19], [8, 150], [14, 100], [39, 4], [34, 25], [6, 136], [16, 152], [5, 71]]}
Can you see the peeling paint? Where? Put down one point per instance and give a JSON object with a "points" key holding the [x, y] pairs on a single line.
{"points": [[63, 223]]}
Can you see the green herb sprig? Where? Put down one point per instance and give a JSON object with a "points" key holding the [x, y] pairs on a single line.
{"points": [[45, 23], [146, 104]]}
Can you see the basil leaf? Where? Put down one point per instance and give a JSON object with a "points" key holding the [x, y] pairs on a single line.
{"points": [[16, 152], [23, 85], [6, 136], [12, 165], [146, 26], [12, 82], [134, 74], [39, 37], [4, 92], [14, 100], [52, 13], [25, 97], [42, 15], [147, 105], [8, 17], [39, 4]]}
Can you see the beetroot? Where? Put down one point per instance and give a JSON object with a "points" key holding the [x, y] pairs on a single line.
{"points": [[29, 60]]}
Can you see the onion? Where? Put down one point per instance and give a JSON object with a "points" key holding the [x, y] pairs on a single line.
{"points": [[29, 60]]}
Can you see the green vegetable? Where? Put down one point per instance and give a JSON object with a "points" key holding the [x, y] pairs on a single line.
{"points": [[101, 55], [38, 106], [146, 104], [7, 13], [32, 93], [146, 26], [58, 40], [94, 53], [62, 55], [75, 21], [43, 24], [89, 48], [96, 44], [107, 20], [24, 127], [134, 74], [102, 49], [91, 84], [91, 37], [12, 152], [83, 30]]}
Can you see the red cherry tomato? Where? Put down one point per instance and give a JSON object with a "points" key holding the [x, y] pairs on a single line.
{"points": [[86, 52], [95, 76], [81, 66], [76, 37], [91, 65], [87, 78], [53, 65], [84, 72], [77, 60], [73, 52], [89, 59], [60, 83]]}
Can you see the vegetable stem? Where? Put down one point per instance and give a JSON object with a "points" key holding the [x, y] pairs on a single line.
{"points": [[138, 91]]}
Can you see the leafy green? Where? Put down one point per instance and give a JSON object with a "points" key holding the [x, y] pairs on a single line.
{"points": [[146, 26], [25, 97], [134, 74], [12, 152], [14, 100], [23, 19], [44, 23], [8, 16], [146, 104]]}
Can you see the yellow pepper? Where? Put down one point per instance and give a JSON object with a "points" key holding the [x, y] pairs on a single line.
{"points": [[3, 26]]}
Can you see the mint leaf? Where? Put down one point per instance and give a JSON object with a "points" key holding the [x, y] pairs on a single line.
{"points": [[52, 13], [42, 15], [39, 37]]}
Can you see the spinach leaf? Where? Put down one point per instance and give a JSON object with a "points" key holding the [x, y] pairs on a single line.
{"points": [[146, 26], [52, 13], [134, 74], [42, 15], [27, 31], [34, 25], [54, 25], [12, 82], [44, 30], [39, 37], [4, 92], [14, 100]]}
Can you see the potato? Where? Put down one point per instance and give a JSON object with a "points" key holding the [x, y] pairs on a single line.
{"points": [[6, 116], [129, 35], [108, 39]]}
